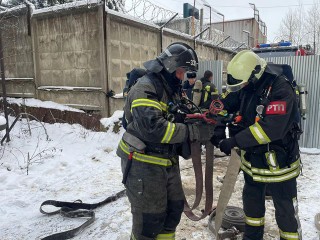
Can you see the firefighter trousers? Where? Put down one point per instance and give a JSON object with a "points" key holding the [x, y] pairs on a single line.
{"points": [[157, 200], [284, 195]]}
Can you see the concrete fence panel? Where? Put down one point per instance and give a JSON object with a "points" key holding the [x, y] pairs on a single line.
{"points": [[76, 54], [17, 46]]}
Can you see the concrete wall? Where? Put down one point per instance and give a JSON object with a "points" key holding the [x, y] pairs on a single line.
{"points": [[128, 45], [77, 55], [234, 28], [69, 54], [17, 53]]}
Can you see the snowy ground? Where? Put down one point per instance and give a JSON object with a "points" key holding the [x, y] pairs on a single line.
{"points": [[32, 102], [75, 163]]}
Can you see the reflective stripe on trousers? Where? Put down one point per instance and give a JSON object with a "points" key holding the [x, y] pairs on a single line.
{"points": [[166, 236], [289, 235], [255, 222]]}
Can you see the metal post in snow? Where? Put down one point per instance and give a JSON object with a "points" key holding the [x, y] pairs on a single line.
{"points": [[4, 91]]}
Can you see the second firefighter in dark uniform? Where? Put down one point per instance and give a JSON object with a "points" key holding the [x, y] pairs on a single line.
{"points": [[266, 133]]}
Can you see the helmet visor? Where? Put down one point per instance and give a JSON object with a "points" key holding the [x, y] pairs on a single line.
{"points": [[234, 85]]}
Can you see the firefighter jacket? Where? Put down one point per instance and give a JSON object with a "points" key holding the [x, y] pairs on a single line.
{"points": [[209, 93], [146, 109], [268, 141]]}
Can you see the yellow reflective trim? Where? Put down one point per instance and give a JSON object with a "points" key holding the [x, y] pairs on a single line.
{"points": [[144, 105], [164, 106], [225, 94], [246, 170], [223, 113], [259, 134], [166, 133], [166, 236], [169, 132], [215, 92], [288, 173], [267, 172], [207, 90], [243, 160], [282, 178], [145, 158], [272, 160], [289, 235], [256, 222], [144, 102], [281, 171]]}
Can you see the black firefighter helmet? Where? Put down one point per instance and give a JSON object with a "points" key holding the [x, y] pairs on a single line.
{"points": [[176, 55]]}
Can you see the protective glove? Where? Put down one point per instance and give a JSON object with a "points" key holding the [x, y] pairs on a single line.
{"points": [[227, 144], [179, 117], [219, 134], [234, 129], [200, 132]]}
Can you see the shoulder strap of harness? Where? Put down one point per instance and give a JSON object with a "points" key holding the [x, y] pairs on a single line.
{"points": [[161, 84], [157, 85]]}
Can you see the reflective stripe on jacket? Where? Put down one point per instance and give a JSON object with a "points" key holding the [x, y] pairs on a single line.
{"points": [[146, 113], [272, 174]]}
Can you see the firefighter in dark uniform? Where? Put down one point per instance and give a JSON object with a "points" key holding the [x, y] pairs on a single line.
{"points": [[209, 90], [153, 182], [265, 131]]}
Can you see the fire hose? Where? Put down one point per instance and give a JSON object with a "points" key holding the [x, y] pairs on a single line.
{"points": [[209, 117]]}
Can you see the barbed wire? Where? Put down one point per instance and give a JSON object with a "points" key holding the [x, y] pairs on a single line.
{"points": [[147, 10], [192, 28]]}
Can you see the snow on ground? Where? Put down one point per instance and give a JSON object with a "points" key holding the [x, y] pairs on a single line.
{"points": [[75, 163], [106, 122], [3, 121], [32, 102]]}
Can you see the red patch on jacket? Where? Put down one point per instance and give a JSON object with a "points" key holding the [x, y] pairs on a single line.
{"points": [[277, 107]]}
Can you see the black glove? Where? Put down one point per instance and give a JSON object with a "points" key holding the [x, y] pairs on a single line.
{"points": [[234, 129], [219, 134], [227, 144], [201, 132], [179, 117]]}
